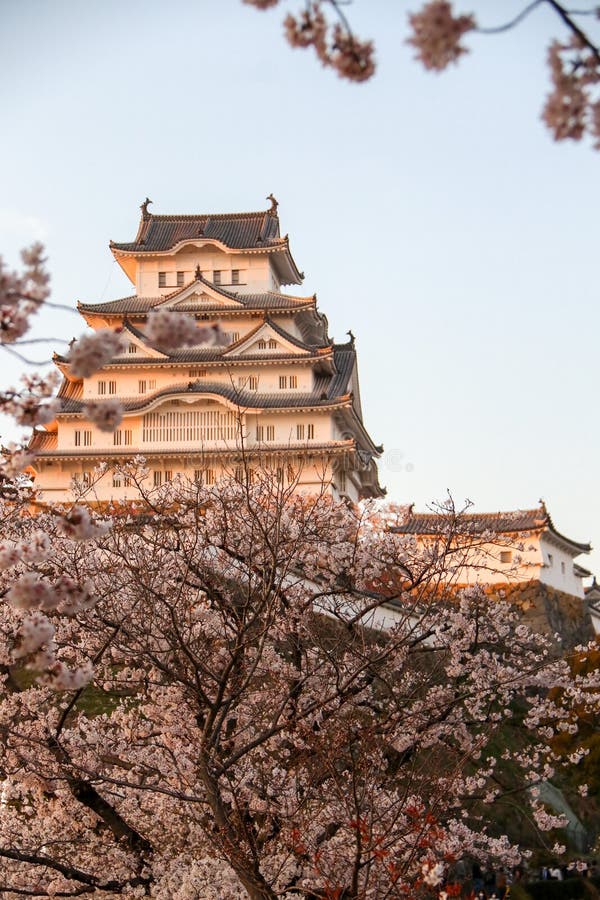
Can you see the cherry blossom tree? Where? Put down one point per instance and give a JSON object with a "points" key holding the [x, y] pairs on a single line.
{"points": [[290, 700], [572, 108]]}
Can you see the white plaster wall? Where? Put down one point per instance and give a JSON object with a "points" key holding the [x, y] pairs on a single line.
{"points": [[255, 271], [557, 569]]}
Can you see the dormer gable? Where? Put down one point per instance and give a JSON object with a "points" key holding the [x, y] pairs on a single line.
{"points": [[268, 339], [199, 294], [136, 345]]}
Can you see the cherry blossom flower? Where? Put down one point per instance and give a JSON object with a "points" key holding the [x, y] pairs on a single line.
{"points": [[437, 34], [93, 351], [79, 525], [169, 330], [105, 414]]}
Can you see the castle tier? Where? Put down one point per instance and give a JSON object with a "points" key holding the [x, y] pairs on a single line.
{"points": [[281, 396]]}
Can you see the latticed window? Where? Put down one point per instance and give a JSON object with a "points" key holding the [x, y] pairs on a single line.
{"points": [[262, 345], [168, 475], [157, 478], [128, 435], [283, 382], [112, 387], [270, 432], [253, 382], [260, 432], [87, 438], [142, 386], [180, 277], [101, 387], [293, 381], [116, 480], [162, 279], [272, 344], [310, 429], [299, 432], [117, 437], [188, 427], [217, 276], [132, 348], [235, 276]]}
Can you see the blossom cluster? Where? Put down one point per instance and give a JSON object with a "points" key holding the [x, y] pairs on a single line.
{"points": [[21, 294], [333, 42], [169, 330]]}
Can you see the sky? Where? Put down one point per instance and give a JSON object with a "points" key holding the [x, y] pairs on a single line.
{"points": [[432, 214]]}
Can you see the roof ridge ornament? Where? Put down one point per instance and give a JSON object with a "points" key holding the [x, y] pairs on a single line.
{"points": [[144, 208], [274, 205]]}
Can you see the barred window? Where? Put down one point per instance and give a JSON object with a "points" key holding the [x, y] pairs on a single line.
{"points": [[189, 427], [310, 432], [217, 276], [116, 480], [260, 432], [157, 478], [180, 276], [272, 344], [162, 279], [270, 432], [87, 438], [299, 432], [112, 387], [142, 386], [128, 434], [293, 381], [101, 387], [235, 276], [132, 348], [283, 382]]}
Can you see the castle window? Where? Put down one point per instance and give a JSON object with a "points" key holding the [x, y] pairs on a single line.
{"points": [[505, 556], [234, 336], [127, 481], [283, 382], [101, 387], [262, 345], [260, 433], [210, 476], [253, 382], [293, 381], [197, 373], [235, 276], [142, 387], [128, 434], [78, 439], [116, 480], [162, 279], [180, 276], [270, 432], [117, 438], [310, 429], [299, 432], [563, 568], [86, 478], [152, 384], [272, 344], [132, 348], [87, 438], [217, 276], [112, 387], [157, 478], [168, 475], [342, 481], [550, 559], [279, 476]]}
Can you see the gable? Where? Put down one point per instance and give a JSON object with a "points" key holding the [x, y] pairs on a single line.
{"points": [[266, 340], [199, 296]]}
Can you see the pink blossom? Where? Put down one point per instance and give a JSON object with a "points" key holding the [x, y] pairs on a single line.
{"points": [[30, 591], [79, 525], [35, 631], [105, 414], [93, 351], [437, 34], [169, 330]]}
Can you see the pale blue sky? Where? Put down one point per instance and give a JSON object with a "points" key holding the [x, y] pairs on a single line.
{"points": [[432, 214]]}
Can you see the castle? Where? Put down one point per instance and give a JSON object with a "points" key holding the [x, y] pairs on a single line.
{"points": [[280, 396]]}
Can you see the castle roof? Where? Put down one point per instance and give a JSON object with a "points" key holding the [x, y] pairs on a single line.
{"points": [[249, 232], [135, 305], [512, 522], [238, 231]]}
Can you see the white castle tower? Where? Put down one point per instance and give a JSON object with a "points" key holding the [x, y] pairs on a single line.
{"points": [[281, 395]]}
